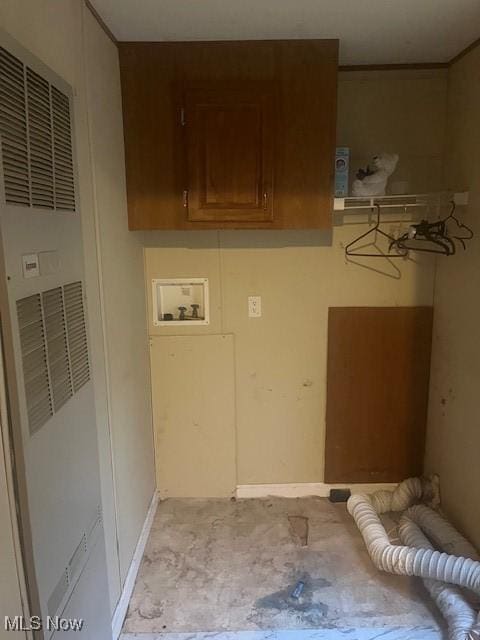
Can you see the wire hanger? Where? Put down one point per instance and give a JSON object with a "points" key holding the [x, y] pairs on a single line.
{"points": [[433, 237], [426, 237], [460, 225], [401, 252]]}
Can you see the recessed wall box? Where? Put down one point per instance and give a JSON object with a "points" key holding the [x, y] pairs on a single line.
{"points": [[180, 301]]}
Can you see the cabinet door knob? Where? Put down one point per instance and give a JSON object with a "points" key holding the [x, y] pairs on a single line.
{"points": [[265, 200]]}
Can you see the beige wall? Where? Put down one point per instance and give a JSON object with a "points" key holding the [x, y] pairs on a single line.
{"points": [[280, 359], [454, 422], [400, 112], [12, 580], [122, 294], [65, 37], [10, 597]]}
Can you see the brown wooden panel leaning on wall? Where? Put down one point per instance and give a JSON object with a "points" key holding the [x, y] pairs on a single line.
{"points": [[378, 373]]}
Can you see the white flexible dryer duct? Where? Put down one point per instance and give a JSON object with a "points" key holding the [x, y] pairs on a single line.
{"points": [[421, 559], [458, 613], [441, 532]]}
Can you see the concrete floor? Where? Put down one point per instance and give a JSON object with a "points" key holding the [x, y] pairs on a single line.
{"points": [[226, 569]]}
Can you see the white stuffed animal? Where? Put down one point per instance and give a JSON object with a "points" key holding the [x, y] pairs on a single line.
{"points": [[373, 181]]}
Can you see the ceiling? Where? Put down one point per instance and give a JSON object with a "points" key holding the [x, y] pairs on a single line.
{"points": [[370, 31]]}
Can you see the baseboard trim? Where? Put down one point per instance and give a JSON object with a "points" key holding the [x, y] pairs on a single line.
{"points": [[122, 605], [305, 489]]}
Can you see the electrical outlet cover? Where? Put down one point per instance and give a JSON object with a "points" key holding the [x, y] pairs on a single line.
{"points": [[254, 306]]}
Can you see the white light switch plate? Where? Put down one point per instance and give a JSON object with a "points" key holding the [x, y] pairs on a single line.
{"points": [[254, 306]]}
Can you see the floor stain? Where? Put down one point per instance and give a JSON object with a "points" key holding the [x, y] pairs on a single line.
{"points": [[313, 612], [299, 529]]}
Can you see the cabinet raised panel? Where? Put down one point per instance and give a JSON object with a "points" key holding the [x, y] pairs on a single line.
{"points": [[229, 147]]}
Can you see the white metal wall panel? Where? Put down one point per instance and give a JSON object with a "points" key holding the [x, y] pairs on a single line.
{"points": [[39, 213]]}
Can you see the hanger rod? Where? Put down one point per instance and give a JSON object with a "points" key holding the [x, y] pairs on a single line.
{"points": [[400, 201]]}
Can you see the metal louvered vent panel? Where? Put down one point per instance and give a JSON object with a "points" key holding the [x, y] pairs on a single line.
{"points": [[53, 341], [77, 334], [13, 130], [62, 137], [40, 137], [73, 570], [36, 138], [58, 364], [34, 359]]}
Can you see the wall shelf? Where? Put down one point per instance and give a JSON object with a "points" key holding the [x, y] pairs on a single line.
{"points": [[400, 209], [404, 202]]}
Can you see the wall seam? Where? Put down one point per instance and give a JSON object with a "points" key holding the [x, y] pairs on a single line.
{"points": [[222, 328], [220, 279], [98, 254], [6, 453], [435, 274], [150, 344]]}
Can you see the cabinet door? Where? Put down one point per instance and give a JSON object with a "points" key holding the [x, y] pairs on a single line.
{"points": [[229, 151]]}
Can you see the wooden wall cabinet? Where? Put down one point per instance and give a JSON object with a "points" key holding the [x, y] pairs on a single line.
{"points": [[230, 134]]}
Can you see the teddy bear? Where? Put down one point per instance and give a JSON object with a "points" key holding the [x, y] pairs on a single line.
{"points": [[373, 180]]}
